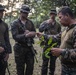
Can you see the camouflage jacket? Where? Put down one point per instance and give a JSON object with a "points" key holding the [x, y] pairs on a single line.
{"points": [[50, 28], [68, 43], [4, 36], [18, 29]]}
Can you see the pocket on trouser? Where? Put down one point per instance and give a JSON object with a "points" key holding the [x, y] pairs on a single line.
{"points": [[17, 52]]}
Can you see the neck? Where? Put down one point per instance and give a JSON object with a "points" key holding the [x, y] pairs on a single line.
{"points": [[23, 19], [72, 21], [53, 19]]}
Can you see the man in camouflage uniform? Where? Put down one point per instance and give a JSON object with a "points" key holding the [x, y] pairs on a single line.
{"points": [[49, 27], [5, 47], [67, 50], [23, 32]]}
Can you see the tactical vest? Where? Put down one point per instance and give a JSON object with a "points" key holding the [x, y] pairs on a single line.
{"points": [[67, 39]]}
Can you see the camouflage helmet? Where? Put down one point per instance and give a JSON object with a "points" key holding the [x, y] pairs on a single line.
{"points": [[25, 8], [2, 8], [53, 11]]}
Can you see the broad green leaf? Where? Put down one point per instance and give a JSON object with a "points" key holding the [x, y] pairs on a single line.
{"points": [[54, 44], [42, 38], [46, 55], [50, 41], [48, 50]]}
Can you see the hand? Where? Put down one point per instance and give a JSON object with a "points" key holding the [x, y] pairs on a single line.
{"points": [[27, 31], [31, 34], [1, 49], [39, 34], [6, 57], [56, 51], [49, 21]]}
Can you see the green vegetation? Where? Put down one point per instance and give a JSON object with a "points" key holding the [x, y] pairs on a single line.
{"points": [[39, 9], [47, 45]]}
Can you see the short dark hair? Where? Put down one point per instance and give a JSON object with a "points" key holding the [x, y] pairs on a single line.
{"points": [[66, 10]]}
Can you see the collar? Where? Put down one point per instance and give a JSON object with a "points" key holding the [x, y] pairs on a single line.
{"points": [[22, 21], [71, 26]]}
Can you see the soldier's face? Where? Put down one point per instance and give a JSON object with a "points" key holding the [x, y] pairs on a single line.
{"points": [[1, 14], [24, 15], [63, 19], [52, 16]]}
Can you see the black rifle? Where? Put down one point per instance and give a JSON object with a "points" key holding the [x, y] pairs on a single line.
{"points": [[29, 43]]}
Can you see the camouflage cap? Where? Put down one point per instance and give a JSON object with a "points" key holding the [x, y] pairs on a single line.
{"points": [[53, 11], [25, 8], [2, 8]]}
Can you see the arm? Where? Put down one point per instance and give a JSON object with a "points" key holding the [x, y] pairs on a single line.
{"points": [[20, 36], [15, 33], [43, 26], [56, 37], [7, 45], [7, 42], [69, 54]]}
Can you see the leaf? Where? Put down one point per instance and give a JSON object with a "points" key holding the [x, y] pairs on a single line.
{"points": [[41, 42], [50, 41], [48, 50], [54, 44], [38, 42], [42, 38], [46, 55]]}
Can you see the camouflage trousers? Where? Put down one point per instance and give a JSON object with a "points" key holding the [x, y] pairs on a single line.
{"points": [[3, 65], [68, 71], [46, 62], [24, 55]]}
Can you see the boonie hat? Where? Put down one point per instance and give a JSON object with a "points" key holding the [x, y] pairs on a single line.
{"points": [[25, 8]]}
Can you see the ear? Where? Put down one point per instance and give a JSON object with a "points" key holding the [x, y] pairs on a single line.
{"points": [[67, 15]]}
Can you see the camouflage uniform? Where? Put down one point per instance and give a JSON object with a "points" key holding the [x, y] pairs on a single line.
{"points": [[53, 29], [4, 42], [68, 56], [23, 52]]}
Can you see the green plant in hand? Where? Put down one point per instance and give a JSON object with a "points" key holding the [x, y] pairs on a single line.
{"points": [[47, 44]]}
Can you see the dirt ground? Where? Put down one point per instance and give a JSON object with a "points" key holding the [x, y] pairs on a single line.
{"points": [[37, 66]]}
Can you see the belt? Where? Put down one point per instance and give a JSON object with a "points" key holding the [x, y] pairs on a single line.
{"points": [[23, 45]]}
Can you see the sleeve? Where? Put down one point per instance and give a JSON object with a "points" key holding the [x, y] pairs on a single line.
{"points": [[43, 26], [15, 33], [70, 54], [7, 42], [55, 38]]}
